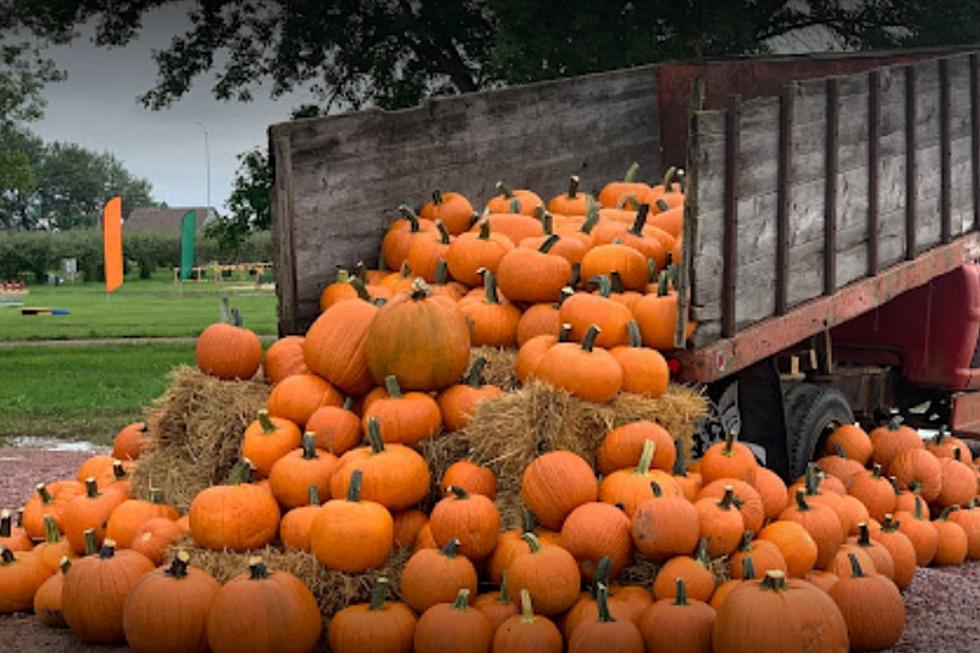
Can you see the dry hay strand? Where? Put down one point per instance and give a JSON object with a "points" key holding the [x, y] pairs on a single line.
{"points": [[195, 434], [642, 571], [333, 590], [499, 370]]}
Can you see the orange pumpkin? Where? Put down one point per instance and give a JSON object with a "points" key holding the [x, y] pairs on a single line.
{"points": [[875, 492], [729, 459], [453, 209], [747, 500], [920, 531], [425, 251], [293, 474], [297, 397], [596, 530], [917, 469], [698, 579], [665, 526], [336, 347], [532, 351], [952, 543], [154, 537], [285, 357], [900, 548], [605, 632], [379, 625], [889, 439], [90, 510], [473, 251], [228, 351], [851, 441], [237, 516], [533, 275], [794, 542], [130, 515], [471, 477], [434, 576], [521, 201], [470, 518], [21, 574], [721, 523], [583, 309], [645, 371], [556, 483], [872, 609], [268, 439], [548, 572], [821, 522], [681, 624], [453, 627], [351, 534], [337, 428], [613, 193], [588, 372], [527, 632], [398, 238], [48, 598], [129, 441], [632, 487], [12, 537]]}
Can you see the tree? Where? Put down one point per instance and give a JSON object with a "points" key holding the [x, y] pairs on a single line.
{"points": [[248, 204], [20, 154]]}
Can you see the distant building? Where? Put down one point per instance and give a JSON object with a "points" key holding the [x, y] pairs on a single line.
{"points": [[166, 220]]}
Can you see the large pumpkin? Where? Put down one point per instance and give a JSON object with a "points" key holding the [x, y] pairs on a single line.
{"points": [[453, 627], [350, 534], [90, 510], [228, 351], [263, 611], [872, 608], [472, 519], [21, 574], [595, 530], [549, 573], [527, 632], [556, 483], [237, 516], [422, 340], [382, 626], [336, 344], [588, 372], [434, 576], [284, 358]]}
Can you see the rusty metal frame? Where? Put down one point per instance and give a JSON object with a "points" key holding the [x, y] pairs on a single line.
{"points": [[773, 335]]}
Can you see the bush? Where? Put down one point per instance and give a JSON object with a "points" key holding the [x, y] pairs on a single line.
{"points": [[24, 254]]}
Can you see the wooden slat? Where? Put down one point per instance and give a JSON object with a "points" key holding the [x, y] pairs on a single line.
{"points": [[785, 185], [283, 230], [945, 212], [830, 195], [730, 239], [910, 167], [975, 136], [874, 101], [690, 215]]}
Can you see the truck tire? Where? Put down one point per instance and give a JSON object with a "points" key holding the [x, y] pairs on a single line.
{"points": [[810, 409]]}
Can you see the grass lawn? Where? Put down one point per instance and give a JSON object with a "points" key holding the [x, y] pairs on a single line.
{"points": [[82, 391], [141, 308]]}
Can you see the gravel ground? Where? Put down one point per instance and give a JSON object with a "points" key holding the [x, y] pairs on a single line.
{"points": [[942, 605]]}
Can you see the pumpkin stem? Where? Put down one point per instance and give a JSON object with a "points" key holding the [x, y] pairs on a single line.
{"points": [[839, 449], [918, 507], [420, 289], [810, 481], [604, 284], [6, 524], [441, 272], [405, 271], [360, 271], [527, 610], [314, 495], [504, 598], [602, 597], [864, 534], [728, 500], [729, 444], [266, 422], [460, 493], [646, 458], [662, 284], [701, 553], [178, 567], [662, 204], [668, 178], [257, 569], [462, 600], [118, 471], [91, 545], [680, 594], [573, 281], [748, 569], [655, 488], [548, 243], [876, 471], [528, 522], [856, 571], [374, 435], [51, 533], [680, 462], [443, 232], [532, 541], [634, 331], [437, 197], [565, 332], [515, 205], [42, 492], [392, 387], [309, 446], [240, 473], [451, 548], [343, 276], [573, 183], [156, 495], [591, 216], [652, 276], [354, 489], [484, 230], [504, 190], [359, 287], [616, 281], [6, 555], [64, 564], [601, 577], [548, 223], [348, 402], [108, 549], [890, 525], [947, 511], [489, 286], [409, 214], [746, 544], [91, 488], [641, 220], [774, 580], [894, 483], [474, 375], [801, 504], [378, 594], [958, 455], [631, 172], [588, 341]]}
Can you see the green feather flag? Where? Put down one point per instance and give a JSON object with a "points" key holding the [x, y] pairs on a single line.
{"points": [[188, 231]]}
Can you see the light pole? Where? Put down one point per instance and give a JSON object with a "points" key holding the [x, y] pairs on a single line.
{"points": [[207, 163]]}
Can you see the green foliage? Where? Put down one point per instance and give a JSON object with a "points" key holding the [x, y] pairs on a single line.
{"points": [[26, 254], [23, 74], [248, 204]]}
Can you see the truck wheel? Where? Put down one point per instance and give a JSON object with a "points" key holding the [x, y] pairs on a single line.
{"points": [[810, 410]]}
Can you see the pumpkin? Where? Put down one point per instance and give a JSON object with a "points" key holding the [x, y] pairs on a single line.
{"points": [[521, 201], [628, 263], [721, 523], [426, 249], [901, 550], [726, 588], [958, 482], [470, 518], [295, 527], [99, 467], [471, 252], [840, 564], [527, 632], [823, 580], [293, 474], [694, 571], [852, 512], [917, 469], [458, 403], [398, 282], [555, 483], [297, 397], [237, 515], [880, 556], [90, 510], [252, 612], [588, 372], [336, 348], [765, 555], [268, 439], [582, 310], [471, 477], [54, 547], [95, 591], [434, 576], [380, 626], [130, 515], [596, 530], [497, 606], [119, 481], [167, 610], [48, 500], [604, 632], [532, 351], [621, 602], [690, 481], [48, 597], [840, 466], [12, 537], [656, 315], [129, 441], [492, 321], [568, 246], [678, 625], [747, 500], [875, 492], [921, 532], [952, 544], [400, 234], [645, 371], [395, 475], [944, 445], [969, 521], [649, 240], [154, 538], [21, 574], [228, 351], [850, 441], [613, 193], [889, 439], [541, 319], [632, 487], [424, 540], [665, 526], [533, 275], [351, 534], [453, 627], [794, 542], [548, 572], [572, 201], [779, 615], [821, 522], [337, 428], [515, 226], [872, 608], [511, 544], [421, 340], [729, 459], [452, 209], [285, 357]]}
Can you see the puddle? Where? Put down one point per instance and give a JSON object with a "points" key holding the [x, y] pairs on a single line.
{"points": [[53, 444]]}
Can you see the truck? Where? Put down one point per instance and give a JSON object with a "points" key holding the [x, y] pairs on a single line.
{"points": [[831, 208]]}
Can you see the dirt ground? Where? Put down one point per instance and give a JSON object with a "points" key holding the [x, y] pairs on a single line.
{"points": [[942, 604]]}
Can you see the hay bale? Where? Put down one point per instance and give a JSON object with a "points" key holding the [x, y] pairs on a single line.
{"points": [[499, 370], [508, 432], [195, 434]]}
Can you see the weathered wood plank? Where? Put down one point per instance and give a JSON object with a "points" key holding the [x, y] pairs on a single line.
{"points": [[283, 227]]}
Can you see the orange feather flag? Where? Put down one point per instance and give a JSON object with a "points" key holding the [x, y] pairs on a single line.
{"points": [[112, 243]]}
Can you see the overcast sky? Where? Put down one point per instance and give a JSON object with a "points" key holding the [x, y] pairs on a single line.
{"points": [[96, 107]]}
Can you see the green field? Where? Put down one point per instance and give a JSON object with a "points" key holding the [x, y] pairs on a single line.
{"points": [[84, 392], [141, 308]]}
